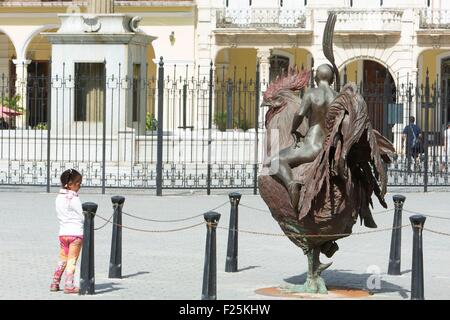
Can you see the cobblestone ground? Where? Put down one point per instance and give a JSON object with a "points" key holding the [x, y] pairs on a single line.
{"points": [[170, 265]]}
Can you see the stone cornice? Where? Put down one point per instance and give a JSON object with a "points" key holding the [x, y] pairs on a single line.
{"points": [[40, 4], [95, 38], [59, 4]]}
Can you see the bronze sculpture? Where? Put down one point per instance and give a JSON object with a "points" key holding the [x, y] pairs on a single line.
{"points": [[333, 187], [314, 104]]}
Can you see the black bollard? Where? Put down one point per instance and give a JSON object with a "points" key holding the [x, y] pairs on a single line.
{"points": [[396, 239], [417, 222], [209, 291], [87, 276], [115, 261], [232, 250]]}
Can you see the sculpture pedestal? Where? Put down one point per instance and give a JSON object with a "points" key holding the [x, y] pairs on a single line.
{"points": [[333, 293]]}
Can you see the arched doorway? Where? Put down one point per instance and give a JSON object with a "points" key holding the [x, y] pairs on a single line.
{"points": [[284, 58], [7, 80], [377, 86], [39, 52], [445, 91], [279, 65]]}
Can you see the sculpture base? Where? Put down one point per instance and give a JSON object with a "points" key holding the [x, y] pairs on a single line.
{"points": [[333, 293]]}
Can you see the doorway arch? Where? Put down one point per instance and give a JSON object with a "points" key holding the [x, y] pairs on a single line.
{"points": [[377, 86]]}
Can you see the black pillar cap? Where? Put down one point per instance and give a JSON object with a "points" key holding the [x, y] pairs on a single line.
{"points": [[235, 195], [212, 217], [399, 198], [118, 199], [90, 207], [417, 219]]}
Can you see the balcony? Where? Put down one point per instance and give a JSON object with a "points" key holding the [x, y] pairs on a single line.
{"points": [[368, 21], [434, 19], [260, 18]]}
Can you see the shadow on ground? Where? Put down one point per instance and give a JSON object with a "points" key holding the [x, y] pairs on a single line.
{"points": [[343, 278], [134, 274], [248, 268], [106, 287]]}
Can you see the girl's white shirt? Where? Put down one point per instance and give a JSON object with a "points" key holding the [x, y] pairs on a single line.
{"points": [[70, 213]]}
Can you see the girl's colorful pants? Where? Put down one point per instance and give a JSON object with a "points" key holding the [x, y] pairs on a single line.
{"points": [[70, 247]]}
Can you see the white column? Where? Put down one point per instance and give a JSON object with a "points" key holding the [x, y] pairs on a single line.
{"points": [[101, 6], [263, 56], [21, 89], [4, 60]]}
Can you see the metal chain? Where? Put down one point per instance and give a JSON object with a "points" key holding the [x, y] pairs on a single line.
{"points": [[267, 211], [253, 208], [153, 231], [437, 232], [380, 212], [174, 220], [106, 221], [313, 235], [426, 215]]}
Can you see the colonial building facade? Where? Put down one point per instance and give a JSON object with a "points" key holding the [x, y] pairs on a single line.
{"points": [[218, 56], [407, 37]]}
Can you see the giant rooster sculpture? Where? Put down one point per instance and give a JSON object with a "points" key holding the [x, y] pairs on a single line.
{"points": [[330, 189]]}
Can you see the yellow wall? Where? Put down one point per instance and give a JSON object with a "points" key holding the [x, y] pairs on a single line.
{"points": [[300, 57], [238, 61], [429, 61], [40, 48], [151, 81], [241, 65], [352, 68]]}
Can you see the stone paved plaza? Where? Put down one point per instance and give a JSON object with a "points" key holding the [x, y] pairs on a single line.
{"points": [[170, 265]]}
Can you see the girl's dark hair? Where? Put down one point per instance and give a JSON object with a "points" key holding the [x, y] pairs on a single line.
{"points": [[69, 175]]}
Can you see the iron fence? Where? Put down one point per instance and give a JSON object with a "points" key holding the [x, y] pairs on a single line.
{"points": [[184, 128]]}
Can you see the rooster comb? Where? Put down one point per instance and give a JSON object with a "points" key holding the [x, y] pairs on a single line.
{"points": [[293, 80]]}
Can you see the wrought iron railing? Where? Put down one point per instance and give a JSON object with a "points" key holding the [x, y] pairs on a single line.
{"points": [[212, 130], [260, 18]]}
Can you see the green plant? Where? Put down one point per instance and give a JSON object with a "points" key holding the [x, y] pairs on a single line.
{"points": [[220, 120], [243, 124], [151, 123], [12, 103], [41, 126]]}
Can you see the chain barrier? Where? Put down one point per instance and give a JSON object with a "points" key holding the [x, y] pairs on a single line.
{"points": [[152, 231], [253, 208], [106, 221], [426, 215], [381, 212], [267, 211], [313, 235], [437, 232], [174, 220], [287, 234]]}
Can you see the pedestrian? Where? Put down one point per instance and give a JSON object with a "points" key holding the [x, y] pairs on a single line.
{"points": [[71, 222], [414, 144]]}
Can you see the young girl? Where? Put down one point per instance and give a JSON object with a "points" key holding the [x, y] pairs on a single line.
{"points": [[71, 221]]}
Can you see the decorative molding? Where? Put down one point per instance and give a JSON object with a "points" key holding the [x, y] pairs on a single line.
{"points": [[91, 24], [134, 24], [263, 55], [435, 40]]}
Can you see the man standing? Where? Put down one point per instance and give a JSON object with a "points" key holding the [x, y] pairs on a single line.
{"points": [[414, 141]]}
